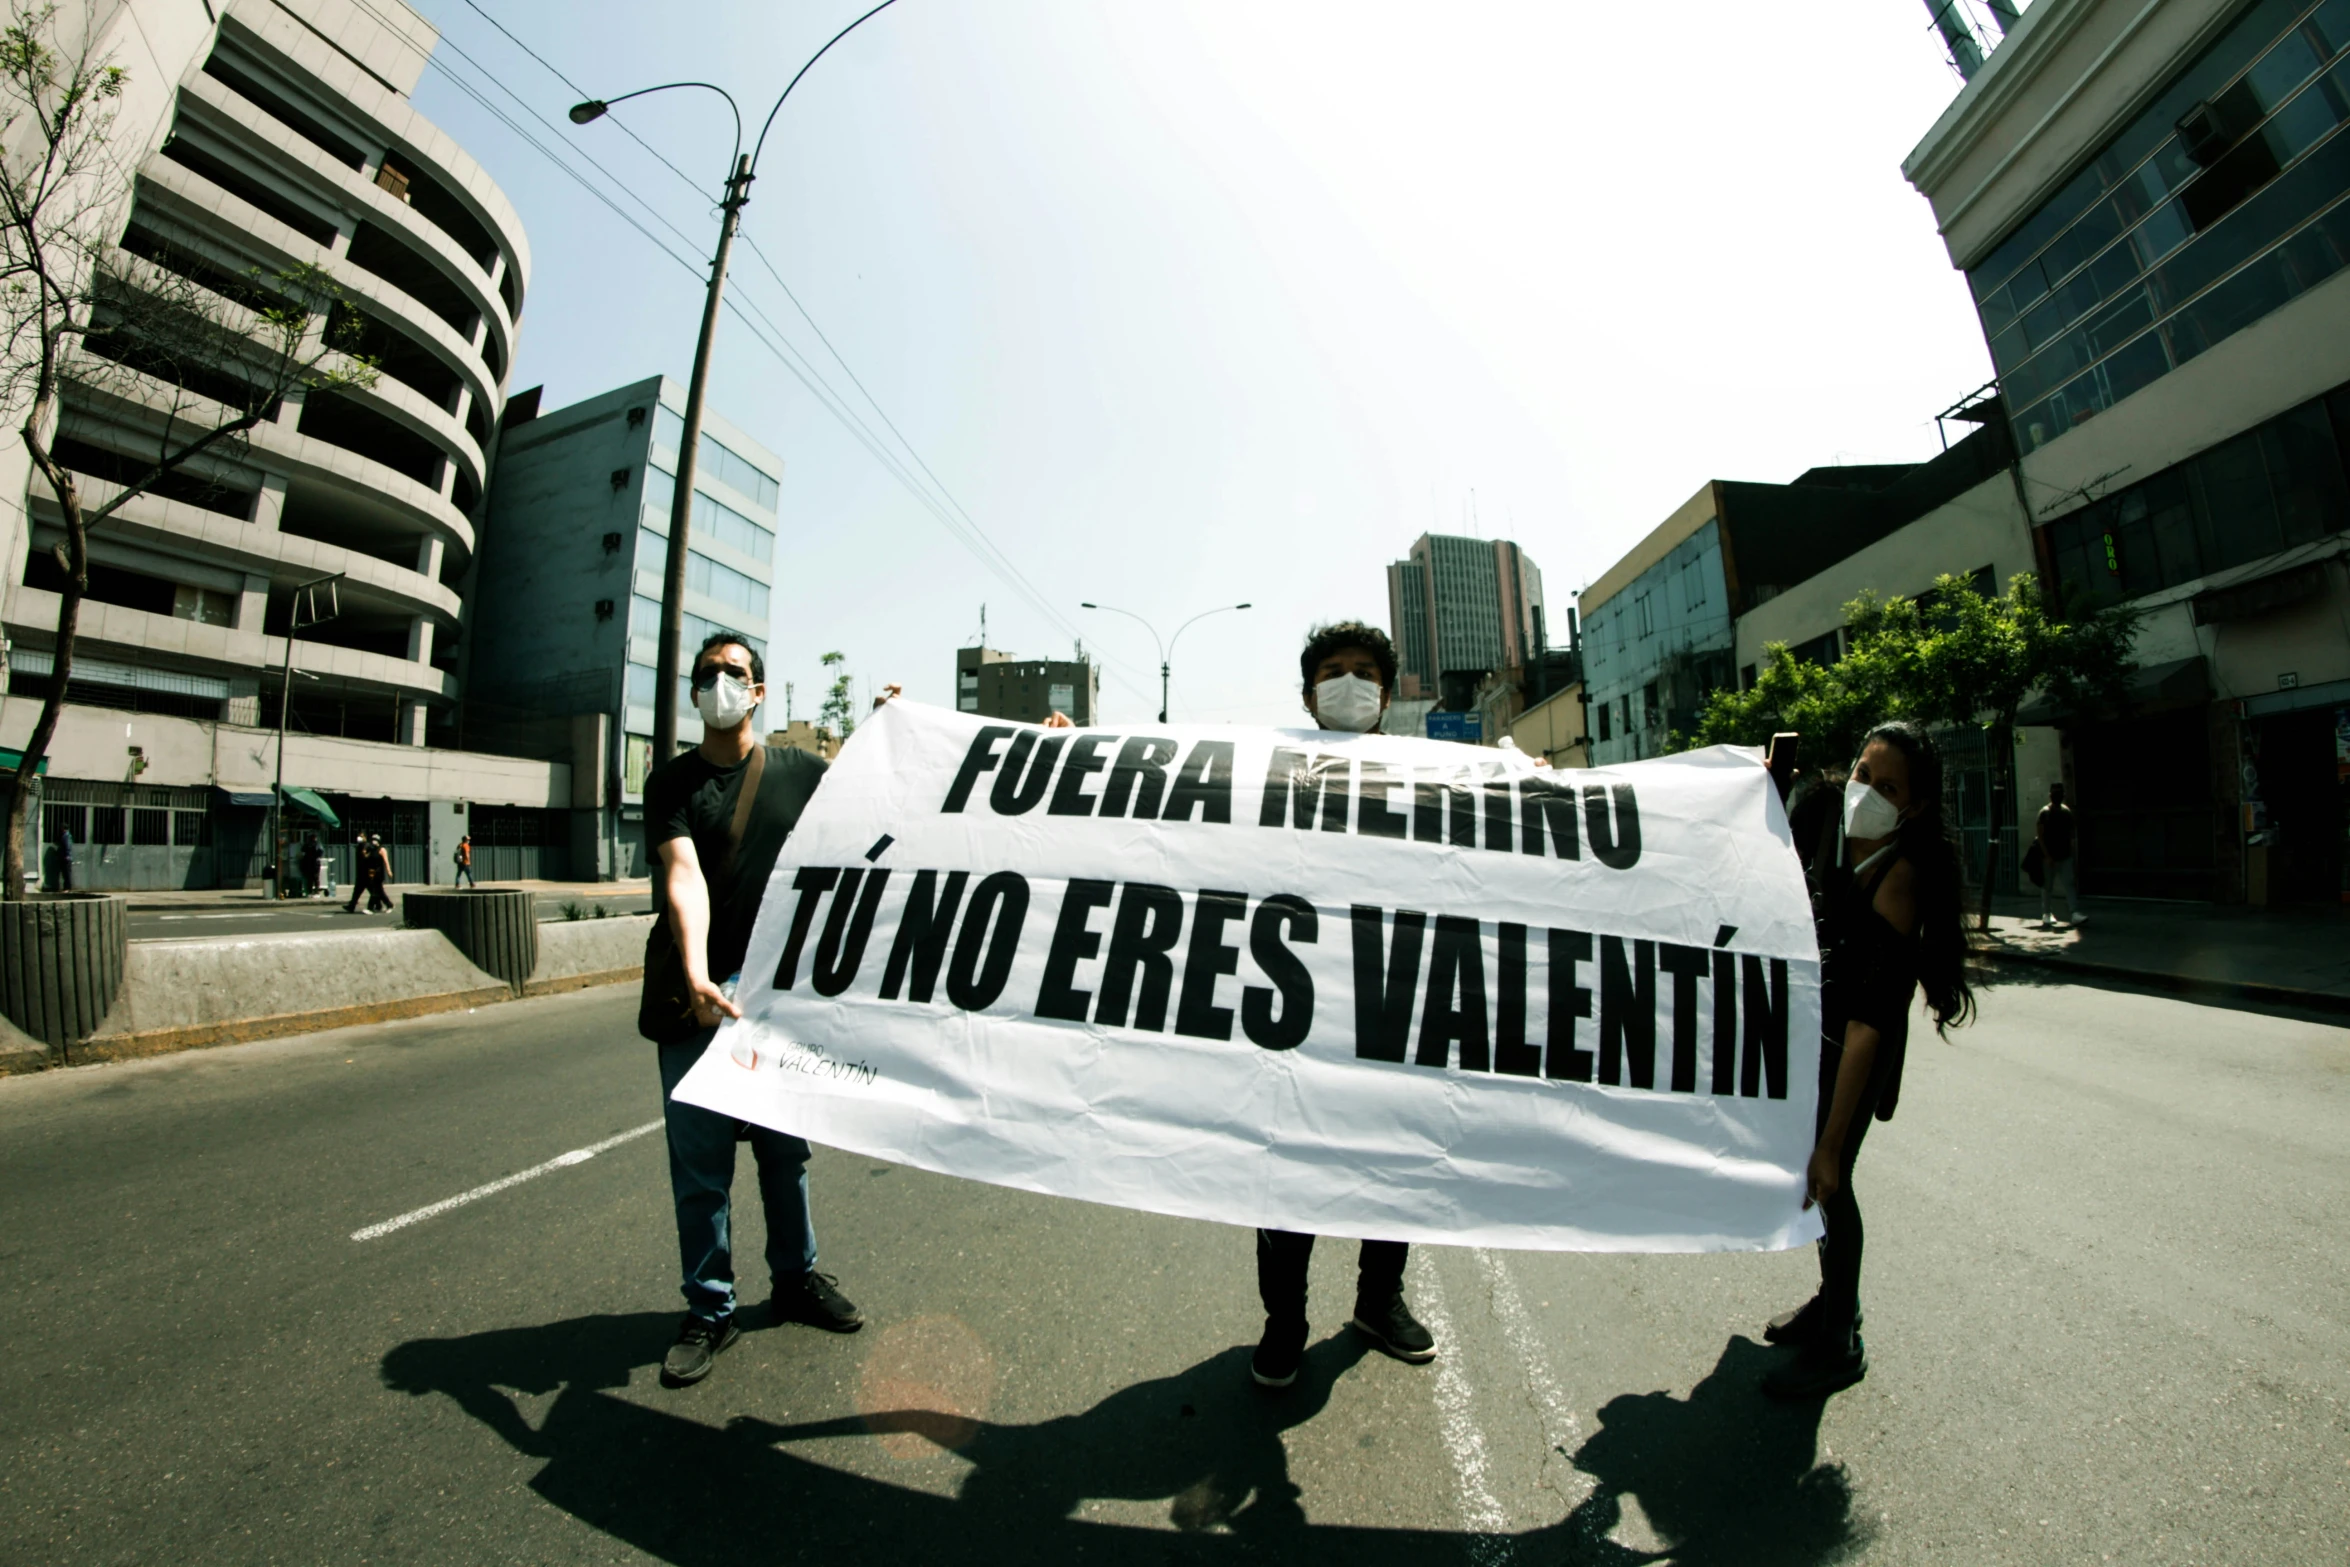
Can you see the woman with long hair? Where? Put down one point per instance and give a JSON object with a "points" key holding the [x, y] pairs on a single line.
{"points": [[1890, 909]]}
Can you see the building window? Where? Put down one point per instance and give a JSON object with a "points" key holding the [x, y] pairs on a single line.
{"points": [[1643, 616], [718, 461], [205, 606], [1605, 729], [2275, 486], [2222, 200]]}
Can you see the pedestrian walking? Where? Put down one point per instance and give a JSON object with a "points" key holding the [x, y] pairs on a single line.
{"points": [[716, 816], [362, 871], [2054, 834], [313, 862], [464, 860], [1888, 904], [378, 898], [65, 860], [1348, 674]]}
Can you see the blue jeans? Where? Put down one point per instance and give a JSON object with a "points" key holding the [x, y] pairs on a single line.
{"points": [[701, 1179]]}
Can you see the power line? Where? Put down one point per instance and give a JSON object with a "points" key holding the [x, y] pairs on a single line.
{"points": [[961, 525], [875, 403], [691, 182]]}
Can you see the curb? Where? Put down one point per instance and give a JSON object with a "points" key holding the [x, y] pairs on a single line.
{"points": [[2180, 984], [164, 1041]]}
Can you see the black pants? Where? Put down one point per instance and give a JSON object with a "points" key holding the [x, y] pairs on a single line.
{"points": [[1840, 1248], [1282, 1258]]}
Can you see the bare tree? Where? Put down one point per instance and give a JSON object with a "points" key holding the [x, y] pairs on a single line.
{"points": [[187, 354]]}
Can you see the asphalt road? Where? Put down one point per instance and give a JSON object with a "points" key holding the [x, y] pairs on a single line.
{"points": [[319, 915], [2106, 1293]]}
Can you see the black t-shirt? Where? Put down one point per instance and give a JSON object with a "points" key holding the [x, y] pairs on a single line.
{"points": [[2056, 831], [693, 797], [1868, 971]]}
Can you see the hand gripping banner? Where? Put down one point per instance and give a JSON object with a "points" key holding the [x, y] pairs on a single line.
{"points": [[1346, 984]]}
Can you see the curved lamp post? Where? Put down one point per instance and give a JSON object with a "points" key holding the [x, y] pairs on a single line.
{"points": [[741, 170], [1166, 648]]}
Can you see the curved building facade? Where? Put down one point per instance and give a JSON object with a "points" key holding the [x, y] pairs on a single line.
{"points": [[290, 141], [257, 136]]}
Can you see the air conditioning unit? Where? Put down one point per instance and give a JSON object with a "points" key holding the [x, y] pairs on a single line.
{"points": [[2204, 134]]}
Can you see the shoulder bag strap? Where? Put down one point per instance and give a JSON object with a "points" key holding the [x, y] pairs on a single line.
{"points": [[752, 773]]}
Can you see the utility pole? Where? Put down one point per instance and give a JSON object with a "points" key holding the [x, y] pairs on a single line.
{"points": [[681, 502], [681, 505], [285, 703]]}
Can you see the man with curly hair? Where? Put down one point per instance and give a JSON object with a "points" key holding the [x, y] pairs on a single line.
{"points": [[1348, 671]]}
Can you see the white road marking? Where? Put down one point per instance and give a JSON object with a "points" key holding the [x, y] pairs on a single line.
{"points": [[560, 1161], [1517, 1325], [1464, 1441]]}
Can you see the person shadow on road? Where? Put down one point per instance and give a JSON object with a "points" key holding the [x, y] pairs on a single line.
{"points": [[1205, 1440], [1724, 1476]]}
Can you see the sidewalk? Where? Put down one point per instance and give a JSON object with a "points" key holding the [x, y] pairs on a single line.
{"points": [[256, 897], [2297, 956]]}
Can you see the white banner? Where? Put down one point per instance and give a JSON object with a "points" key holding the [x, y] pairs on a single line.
{"points": [[1345, 984]]}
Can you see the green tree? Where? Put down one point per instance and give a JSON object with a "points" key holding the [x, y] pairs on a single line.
{"points": [[198, 355], [1954, 657], [838, 712]]}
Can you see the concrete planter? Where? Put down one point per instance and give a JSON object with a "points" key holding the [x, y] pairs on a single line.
{"points": [[61, 959], [495, 927]]}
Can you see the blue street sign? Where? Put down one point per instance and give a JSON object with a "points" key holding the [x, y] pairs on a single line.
{"points": [[1457, 726]]}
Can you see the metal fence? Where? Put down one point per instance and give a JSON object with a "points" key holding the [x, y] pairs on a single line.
{"points": [[126, 837]]}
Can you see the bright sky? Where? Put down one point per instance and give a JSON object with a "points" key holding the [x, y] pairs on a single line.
{"points": [[1195, 303]]}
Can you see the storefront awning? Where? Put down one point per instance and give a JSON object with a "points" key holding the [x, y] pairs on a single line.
{"points": [[10, 761], [2182, 682], [251, 797]]}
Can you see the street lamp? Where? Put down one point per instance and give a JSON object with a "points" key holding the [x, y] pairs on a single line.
{"points": [[304, 596], [741, 171], [1166, 648]]}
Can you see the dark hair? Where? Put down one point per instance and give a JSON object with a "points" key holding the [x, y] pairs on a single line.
{"points": [[724, 638], [1929, 845], [1323, 641]]}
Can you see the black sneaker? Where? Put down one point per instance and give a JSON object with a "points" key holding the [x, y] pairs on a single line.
{"points": [[815, 1298], [1391, 1325], [1279, 1353], [1818, 1372], [1800, 1326], [700, 1341]]}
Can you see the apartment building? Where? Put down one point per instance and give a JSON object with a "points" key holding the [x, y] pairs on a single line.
{"points": [[1660, 627], [256, 136], [994, 684], [1459, 609], [566, 619], [2151, 206]]}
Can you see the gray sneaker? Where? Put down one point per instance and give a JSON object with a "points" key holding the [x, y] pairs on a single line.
{"points": [[700, 1341]]}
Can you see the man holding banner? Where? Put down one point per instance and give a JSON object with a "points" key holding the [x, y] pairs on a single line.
{"points": [[1317, 982], [1349, 671], [717, 816]]}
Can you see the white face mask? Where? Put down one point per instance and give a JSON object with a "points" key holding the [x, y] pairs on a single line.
{"points": [[1347, 702], [1868, 814], [725, 703]]}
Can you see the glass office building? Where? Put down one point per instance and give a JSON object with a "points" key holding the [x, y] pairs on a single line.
{"points": [[2219, 201]]}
